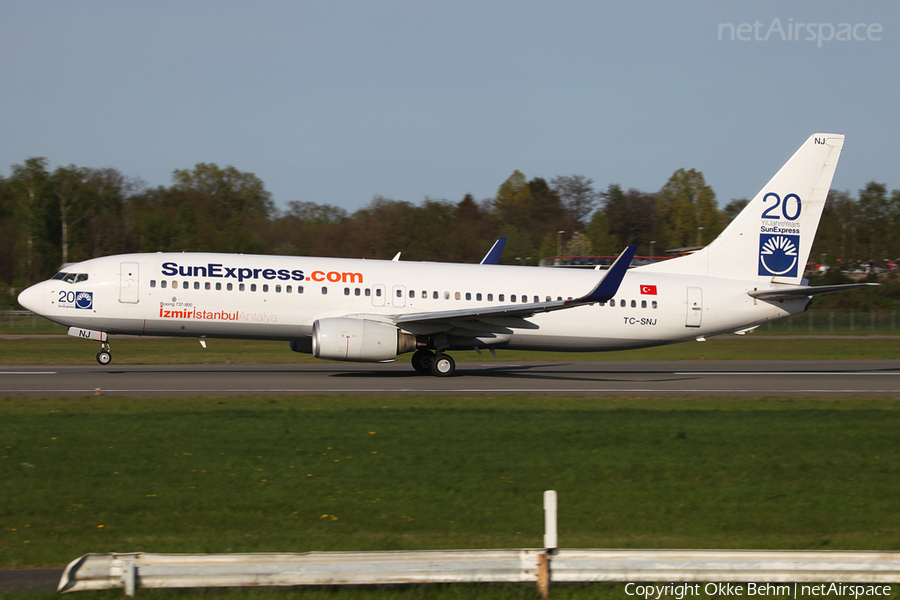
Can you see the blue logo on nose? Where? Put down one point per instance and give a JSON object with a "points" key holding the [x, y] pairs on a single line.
{"points": [[778, 254], [84, 300]]}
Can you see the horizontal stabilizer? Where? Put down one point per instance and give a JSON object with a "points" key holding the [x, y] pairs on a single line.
{"points": [[804, 290]]}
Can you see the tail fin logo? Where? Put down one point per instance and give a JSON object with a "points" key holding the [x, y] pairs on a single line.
{"points": [[778, 255]]}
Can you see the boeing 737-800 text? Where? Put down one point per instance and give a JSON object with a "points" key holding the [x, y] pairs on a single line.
{"points": [[374, 310]]}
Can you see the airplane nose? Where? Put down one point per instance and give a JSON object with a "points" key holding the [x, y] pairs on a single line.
{"points": [[33, 298]]}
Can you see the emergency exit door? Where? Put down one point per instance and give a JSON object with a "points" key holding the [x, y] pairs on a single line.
{"points": [[128, 282]]}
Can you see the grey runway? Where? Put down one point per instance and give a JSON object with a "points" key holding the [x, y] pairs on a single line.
{"points": [[592, 379]]}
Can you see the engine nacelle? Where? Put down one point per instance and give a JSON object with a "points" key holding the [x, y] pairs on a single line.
{"points": [[359, 340]]}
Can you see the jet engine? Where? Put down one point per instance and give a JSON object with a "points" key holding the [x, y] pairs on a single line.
{"points": [[359, 340]]}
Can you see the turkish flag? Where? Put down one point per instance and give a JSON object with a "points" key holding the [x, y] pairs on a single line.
{"points": [[648, 289]]}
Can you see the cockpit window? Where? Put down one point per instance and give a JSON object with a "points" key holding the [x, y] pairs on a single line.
{"points": [[71, 277]]}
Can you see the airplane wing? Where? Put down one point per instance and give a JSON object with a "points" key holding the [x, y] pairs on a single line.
{"points": [[513, 315], [787, 293], [493, 255]]}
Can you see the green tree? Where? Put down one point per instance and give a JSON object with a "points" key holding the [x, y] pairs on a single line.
{"points": [[686, 208], [873, 216], [733, 209], [70, 189], [579, 245], [577, 194], [240, 193], [602, 241], [30, 186], [632, 218]]}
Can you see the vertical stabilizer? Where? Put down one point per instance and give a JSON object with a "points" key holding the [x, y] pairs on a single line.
{"points": [[770, 240]]}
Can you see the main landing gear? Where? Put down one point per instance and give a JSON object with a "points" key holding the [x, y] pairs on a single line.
{"points": [[104, 357], [439, 365]]}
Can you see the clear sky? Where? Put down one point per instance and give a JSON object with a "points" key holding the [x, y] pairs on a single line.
{"points": [[338, 101]]}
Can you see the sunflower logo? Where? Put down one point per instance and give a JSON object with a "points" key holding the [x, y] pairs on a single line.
{"points": [[84, 300], [778, 254]]}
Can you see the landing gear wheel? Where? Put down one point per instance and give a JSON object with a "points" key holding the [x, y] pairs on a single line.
{"points": [[443, 366], [104, 357], [421, 361]]}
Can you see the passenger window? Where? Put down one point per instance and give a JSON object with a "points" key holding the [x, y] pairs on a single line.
{"points": [[252, 287], [378, 292], [288, 289], [536, 299], [653, 304], [229, 287], [265, 287], [399, 293], [186, 286], [501, 297], [456, 295], [633, 304], [346, 291], [524, 299], [435, 295], [468, 295], [277, 289], [174, 285], [412, 294], [424, 295], [241, 287], [643, 304], [490, 297], [446, 295], [478, 296], [612, 302], [206, 285], [196, 285], [368, 292], [324, 290], [218, 286], [622, 303], [152, 283], [299, 289], [356, 292], [512, 298]]}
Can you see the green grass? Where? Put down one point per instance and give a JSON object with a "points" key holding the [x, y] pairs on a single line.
{"points": [[309, 473], [66, 350]]}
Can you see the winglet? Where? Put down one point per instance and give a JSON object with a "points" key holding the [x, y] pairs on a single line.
{"points": [[493, 255], [609, 285]]}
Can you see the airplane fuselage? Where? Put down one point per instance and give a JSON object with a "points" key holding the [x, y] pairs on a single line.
{"points": [[374, 310], [280, 298]]}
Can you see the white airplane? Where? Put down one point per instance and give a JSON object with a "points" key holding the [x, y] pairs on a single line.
{"points": [[373, 310]]}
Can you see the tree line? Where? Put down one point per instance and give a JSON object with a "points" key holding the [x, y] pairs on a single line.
{"points": [[52, 217]]}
